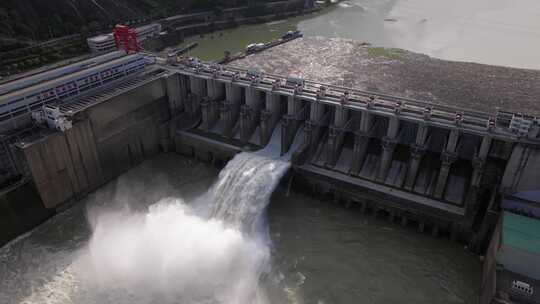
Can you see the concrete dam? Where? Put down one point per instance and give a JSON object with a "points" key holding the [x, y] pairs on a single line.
{"points": [[441, 168]]}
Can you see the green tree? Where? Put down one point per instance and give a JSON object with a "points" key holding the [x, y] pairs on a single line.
{"points": [[94, 26], [3, 14], [218, 11], [256, 8], [85, 32]]}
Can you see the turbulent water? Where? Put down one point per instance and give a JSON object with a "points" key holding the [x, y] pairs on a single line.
{"points": [[156, 235], [244, 188], [149, 237], [213, 251]]}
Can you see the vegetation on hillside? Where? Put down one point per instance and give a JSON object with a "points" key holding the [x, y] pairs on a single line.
{"points": [[26, 23], [34, 20]]}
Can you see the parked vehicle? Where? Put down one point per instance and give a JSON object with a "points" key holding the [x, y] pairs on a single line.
{"points": [[254, 47]]}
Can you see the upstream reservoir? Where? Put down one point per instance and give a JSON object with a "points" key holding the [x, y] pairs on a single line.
{"points": [[500, 32]]}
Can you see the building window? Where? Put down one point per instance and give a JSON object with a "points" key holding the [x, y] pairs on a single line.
{"points": [[522, 287]]}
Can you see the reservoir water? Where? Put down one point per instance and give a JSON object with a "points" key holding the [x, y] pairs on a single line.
{"points": [[150, 237], [496, 32]]}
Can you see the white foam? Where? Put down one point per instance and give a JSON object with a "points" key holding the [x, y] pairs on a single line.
{"points": [[176, 254], [215, 252]]}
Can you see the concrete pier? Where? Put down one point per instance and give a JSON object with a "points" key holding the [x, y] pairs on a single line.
{"points": [[230, 109], [417, 151], [448, 157]]}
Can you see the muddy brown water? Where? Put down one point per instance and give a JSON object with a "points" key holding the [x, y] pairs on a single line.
{"points": [[320, 252], [496, 32]]}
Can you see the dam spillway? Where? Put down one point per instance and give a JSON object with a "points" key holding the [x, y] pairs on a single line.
{"points": [[440, 167]]}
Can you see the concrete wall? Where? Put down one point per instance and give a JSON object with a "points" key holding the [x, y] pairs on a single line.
{"points": [[7, 126], [127, 127], [64, 165], [203, 148], [176, 92], [110, 138], [489, 274], [523, 170]]}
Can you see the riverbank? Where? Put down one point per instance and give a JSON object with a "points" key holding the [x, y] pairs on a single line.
{"points": [[464, 32], [403, 73], [216, 40], [176, 29]]}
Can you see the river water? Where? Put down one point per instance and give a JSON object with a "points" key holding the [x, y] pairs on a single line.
{"points": [[150, 237], [497, 32]]}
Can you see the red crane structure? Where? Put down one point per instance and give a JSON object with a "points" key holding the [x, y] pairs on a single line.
{"points": [[125, 38]]}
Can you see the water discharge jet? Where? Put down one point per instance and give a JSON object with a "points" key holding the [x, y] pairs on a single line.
{"points": [[214, 250]]}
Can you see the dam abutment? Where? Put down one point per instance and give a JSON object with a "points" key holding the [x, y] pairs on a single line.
{"points": [[107, 138]]}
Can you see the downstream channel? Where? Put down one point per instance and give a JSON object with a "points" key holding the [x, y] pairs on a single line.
{"points": [[148, 237]]}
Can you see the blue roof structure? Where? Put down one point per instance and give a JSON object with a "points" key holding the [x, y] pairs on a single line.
{"points": [[519, 251]]}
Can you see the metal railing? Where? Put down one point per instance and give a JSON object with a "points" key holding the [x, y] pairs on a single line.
{"points": [[470, 120]]}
